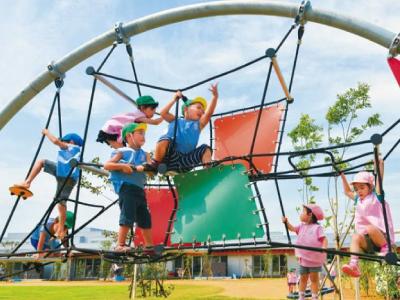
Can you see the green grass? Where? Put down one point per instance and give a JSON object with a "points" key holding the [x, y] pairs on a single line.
{"points": [[103, 293]]}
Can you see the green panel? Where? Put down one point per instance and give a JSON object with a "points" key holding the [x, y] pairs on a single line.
{"points": [[215, 202]]}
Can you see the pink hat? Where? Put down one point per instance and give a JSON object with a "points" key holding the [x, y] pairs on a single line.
{"points": [[364, 177], [316, 211]]}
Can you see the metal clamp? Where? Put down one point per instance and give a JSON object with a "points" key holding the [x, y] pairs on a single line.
{"points": [[394, 45], [54, 71], [301, 14], [120, 36]]}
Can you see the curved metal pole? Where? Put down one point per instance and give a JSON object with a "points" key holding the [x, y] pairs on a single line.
{"points": [[361, 28]]}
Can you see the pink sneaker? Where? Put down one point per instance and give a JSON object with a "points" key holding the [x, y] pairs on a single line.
{"points": [[352, 270], [384, 250]]}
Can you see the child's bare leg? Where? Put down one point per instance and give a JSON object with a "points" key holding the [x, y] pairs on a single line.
{"points": [[122, 234], [376, 236], [161, 150], [302, 285], [37, 167], [62, 215], [314, 277], [206, 157], [148, 237], [358, 243]]}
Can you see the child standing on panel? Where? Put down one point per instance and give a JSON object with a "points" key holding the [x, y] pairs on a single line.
{"points": [[369, 221], [126, 166], [178, 147], [311, 234]]}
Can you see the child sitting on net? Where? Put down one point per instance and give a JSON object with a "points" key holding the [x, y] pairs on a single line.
{"points": [[110, 133], [70, 148], [126, 174], [370, 236], [41, 239], [178, 147], [309, 233]]}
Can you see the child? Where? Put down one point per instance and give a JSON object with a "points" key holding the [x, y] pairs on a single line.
{"points": [[181, 154], [70, 148], [292, 280], [311, 234], [369, 222], [126, 166], [41, 239], [111, 131]]}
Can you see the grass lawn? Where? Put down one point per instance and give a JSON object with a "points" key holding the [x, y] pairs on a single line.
{"points": [[103, 292]]}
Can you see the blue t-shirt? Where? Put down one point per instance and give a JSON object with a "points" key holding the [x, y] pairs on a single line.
{"points": [[187, 134], [133, 157], [63, 159], [51, 244]]}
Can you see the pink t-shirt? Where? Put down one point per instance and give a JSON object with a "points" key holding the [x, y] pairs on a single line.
{"points": [[292, 277], [311, 235], [115, 124], [369, 212]]}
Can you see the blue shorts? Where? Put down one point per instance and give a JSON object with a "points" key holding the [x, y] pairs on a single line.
{"points": [[53, 244], [133, 205], [50, 167], [184, 162], [307, 270]]}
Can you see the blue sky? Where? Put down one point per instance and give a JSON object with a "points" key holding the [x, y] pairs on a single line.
{"points": [[37, 32]]}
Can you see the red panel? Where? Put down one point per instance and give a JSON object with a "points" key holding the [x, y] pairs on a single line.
{"points": [[161, 204], [234, 135], [395, 66]]}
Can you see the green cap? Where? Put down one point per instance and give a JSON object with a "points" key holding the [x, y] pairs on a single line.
{"points": [[146, 100], [131, 127], [69, 220]]}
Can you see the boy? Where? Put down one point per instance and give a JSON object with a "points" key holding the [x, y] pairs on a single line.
{"points": [[111, 131], [126, 166], [70, 148], [41, 239], [182, 154]]}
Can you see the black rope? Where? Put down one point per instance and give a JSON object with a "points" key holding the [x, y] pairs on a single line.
{"points": [[59, 83], [391, 127], [130, 54], [173, 213], [391, 149]]}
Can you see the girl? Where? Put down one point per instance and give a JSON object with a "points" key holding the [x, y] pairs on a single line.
{"points": [[311, 234], [369, 221], [292, 280]]}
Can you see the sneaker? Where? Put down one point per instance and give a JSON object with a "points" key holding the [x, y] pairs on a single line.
{"points": [[384, 250], [351, 269], [122, 248]]}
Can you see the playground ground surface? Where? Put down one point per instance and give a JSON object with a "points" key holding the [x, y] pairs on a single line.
{"points": [[183, 289]]}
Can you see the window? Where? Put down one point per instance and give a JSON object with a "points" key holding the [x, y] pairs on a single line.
{"points": [[197, 265], [258, 265]]}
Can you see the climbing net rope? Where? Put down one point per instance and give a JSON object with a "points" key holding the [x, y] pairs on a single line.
{"points": [[253, 172]]}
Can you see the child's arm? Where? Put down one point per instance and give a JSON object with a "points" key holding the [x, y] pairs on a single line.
{"points": [[150, 121], [42, 239], [381, 169], [325, 242], [165, 114], [56, 141], [211, 108], [290, 226], [114, 165], [141, 167], [347, 189]]}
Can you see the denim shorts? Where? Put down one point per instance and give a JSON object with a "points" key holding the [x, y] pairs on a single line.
{"points": [[50, 167], [133, 205], [307, 270]]}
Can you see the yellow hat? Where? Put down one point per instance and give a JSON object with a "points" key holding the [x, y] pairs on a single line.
{"points": [[131, 127], [200, 100]]}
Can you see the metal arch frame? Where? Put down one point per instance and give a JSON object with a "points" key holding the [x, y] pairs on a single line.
{"points": [[364, 29]]}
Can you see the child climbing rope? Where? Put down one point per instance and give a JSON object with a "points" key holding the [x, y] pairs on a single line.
{"points": [[178, 148], [369, 221], [70, 148], [126, 166], [41, 238], [309, 233], [111, 131]]}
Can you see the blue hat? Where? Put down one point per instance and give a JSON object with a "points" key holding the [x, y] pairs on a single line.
{"points": [[73, 137]]}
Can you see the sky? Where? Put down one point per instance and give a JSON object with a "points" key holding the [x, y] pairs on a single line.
{"points": [[331, 61]]}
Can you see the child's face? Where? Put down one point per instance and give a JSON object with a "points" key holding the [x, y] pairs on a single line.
{"points": [[149, 111], [194, 111], [305, 216], [362, 189], [136, 139]]}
